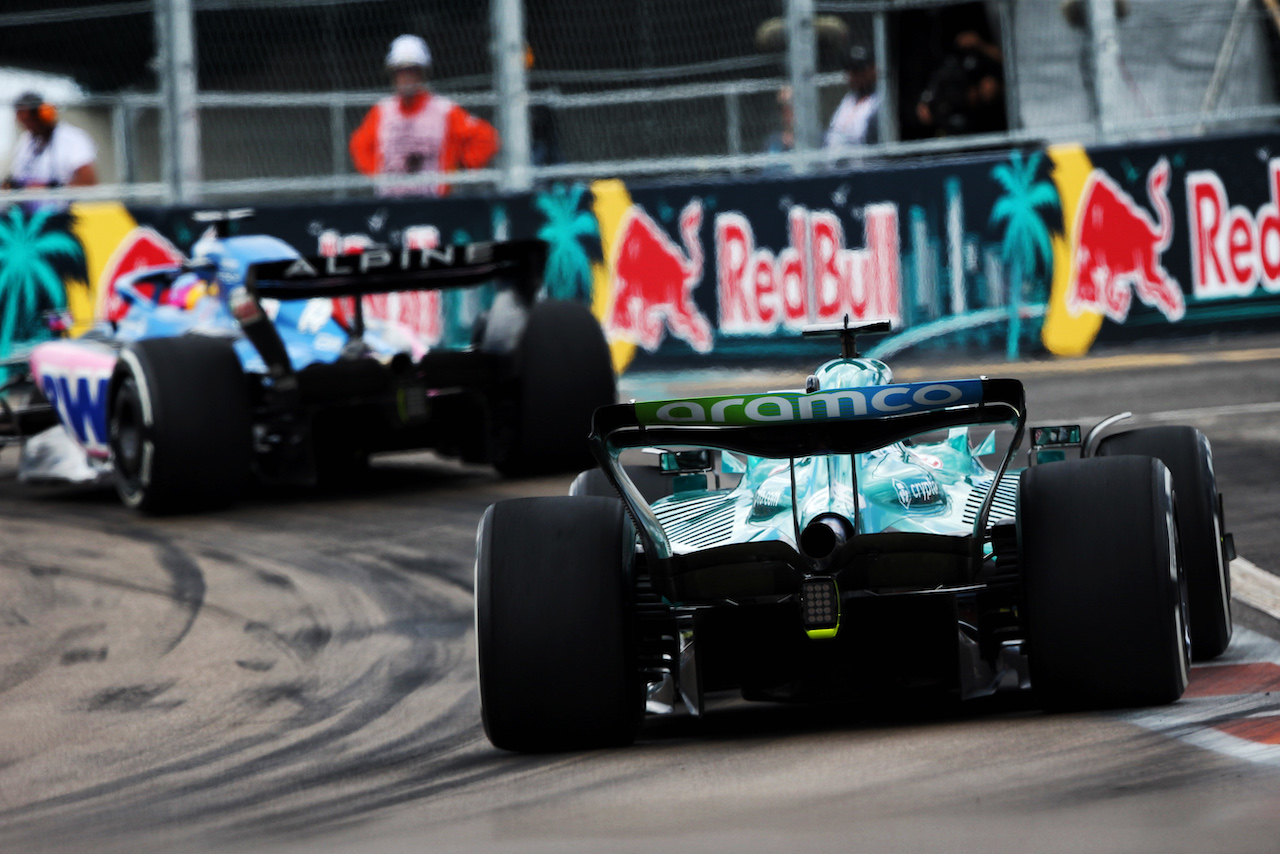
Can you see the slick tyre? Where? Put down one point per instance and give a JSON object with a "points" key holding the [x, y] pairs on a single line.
{"points": [[179, 425], [1186, 452], [554, 631], [652, 484], [1105, 600], [565, 373]]}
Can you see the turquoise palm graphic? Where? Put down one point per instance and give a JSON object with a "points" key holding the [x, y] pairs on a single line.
{"points": [[1027, 248], [29, 282], [568, 271]]}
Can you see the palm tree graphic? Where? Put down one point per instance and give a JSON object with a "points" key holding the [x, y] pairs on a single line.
{"points": [[568, 271], [28, 279], [1027, 248]]}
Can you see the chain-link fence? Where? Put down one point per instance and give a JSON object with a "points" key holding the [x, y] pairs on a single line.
{"points": [[283, 84], [214, 99]]}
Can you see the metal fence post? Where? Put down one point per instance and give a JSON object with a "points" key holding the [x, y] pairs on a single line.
{"points": [[120, 141], [179, 116], [338, 142], [186, 112], [802, 50], [886, 83], [1104, 43], [511, 85], [1008, 47], [164, 83], [733, 122]]}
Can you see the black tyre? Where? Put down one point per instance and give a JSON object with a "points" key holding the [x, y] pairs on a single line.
{"points": [[554, 630], [179, 423], [651, 483], [1186, 452], [1105, 600], [565, 374]]}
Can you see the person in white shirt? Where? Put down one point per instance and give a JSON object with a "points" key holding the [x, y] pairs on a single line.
{"points": [[50, 153], [856, 120]]}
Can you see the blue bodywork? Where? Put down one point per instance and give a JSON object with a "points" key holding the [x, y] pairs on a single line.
{"points": [[218, 266]]}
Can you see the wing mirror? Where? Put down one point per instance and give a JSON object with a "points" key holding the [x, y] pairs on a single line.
{"points": [[1051, 444], [685, 462]]}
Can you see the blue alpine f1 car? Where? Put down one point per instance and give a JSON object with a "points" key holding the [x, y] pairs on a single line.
{"points": [[252, 360], [843, 541]]}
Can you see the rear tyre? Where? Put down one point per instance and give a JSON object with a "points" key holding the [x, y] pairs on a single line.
{"points": [[1104, 590], [554, 630], [566, 373], [1186, 452], [652, 484], [179, 424]]}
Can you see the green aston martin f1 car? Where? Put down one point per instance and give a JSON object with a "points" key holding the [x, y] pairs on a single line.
{"points": [[851, 539]]}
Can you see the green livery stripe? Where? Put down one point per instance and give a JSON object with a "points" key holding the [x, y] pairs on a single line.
{"points": [[828, 404]]}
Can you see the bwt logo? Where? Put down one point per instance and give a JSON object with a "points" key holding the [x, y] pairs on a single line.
{"points": [[1232, 250], [814, 279], [81, 402], [795, 406]]}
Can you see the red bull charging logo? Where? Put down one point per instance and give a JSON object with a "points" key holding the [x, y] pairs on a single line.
{"points": [[653, 282], [1118, 248], [143, 247]]}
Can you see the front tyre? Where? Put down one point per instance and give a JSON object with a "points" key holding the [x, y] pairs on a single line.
{"points": [[1186, 452], [1104, 591], [554, 633], [179, 424]]}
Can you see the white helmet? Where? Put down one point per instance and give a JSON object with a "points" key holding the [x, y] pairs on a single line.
{"points": [[408, 52]]}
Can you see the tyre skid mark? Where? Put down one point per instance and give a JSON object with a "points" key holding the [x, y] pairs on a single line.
{"points": [[31, 665], [187, 586], [48, 570], [256, 778]]}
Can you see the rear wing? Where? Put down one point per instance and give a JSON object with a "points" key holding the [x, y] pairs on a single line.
{"points": [[380, 269], [800, 424], [376, 270]]}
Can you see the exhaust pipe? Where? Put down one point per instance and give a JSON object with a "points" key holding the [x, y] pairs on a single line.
{"points": [[824, 536]]}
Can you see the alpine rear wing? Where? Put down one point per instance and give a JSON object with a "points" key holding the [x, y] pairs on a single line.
{"points": [[380, 269], [376, 270], [801, 424]]}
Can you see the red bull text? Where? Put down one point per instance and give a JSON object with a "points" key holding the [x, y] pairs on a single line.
{"points": [[814, 279], [1232, 250]]}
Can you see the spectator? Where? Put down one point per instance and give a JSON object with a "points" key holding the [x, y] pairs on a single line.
{"points": [[966, 93], [856, 120], [50, 153], [416, 130], [783, 139], [544, 131]]}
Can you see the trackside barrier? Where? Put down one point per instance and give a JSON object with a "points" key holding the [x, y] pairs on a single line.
{"points": [[1004, 253]]}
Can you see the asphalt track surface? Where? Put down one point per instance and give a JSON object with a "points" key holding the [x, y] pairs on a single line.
{"points": [[297, 674]]}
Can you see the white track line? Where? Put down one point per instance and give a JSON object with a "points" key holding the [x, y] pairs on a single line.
{"points": [[1214, 411], [1255, 587]]}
